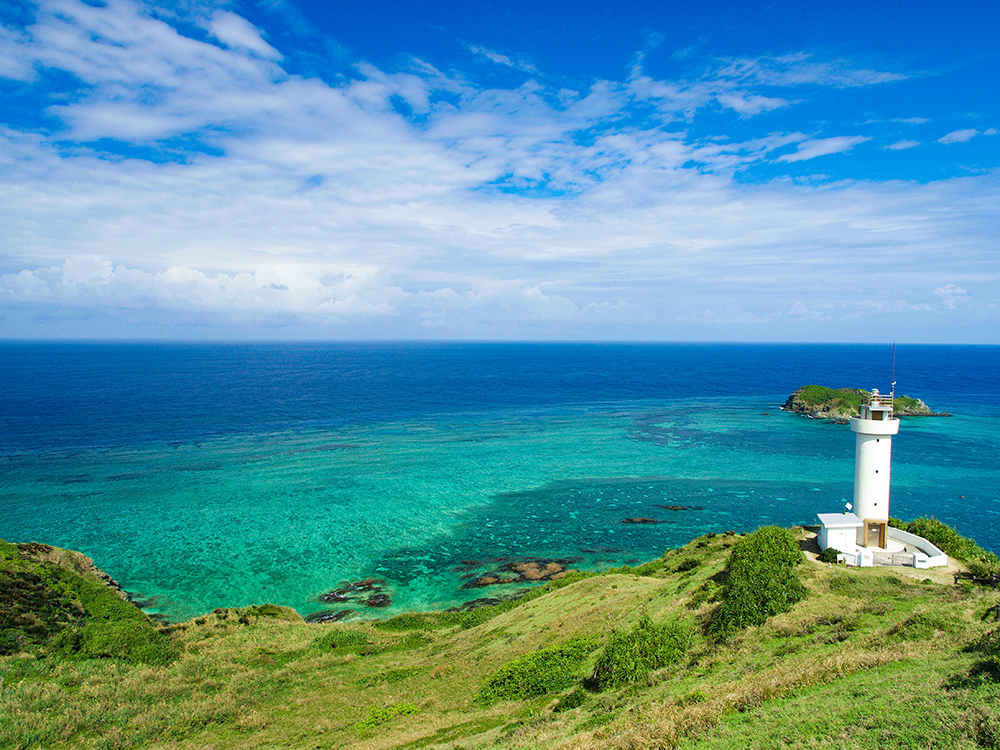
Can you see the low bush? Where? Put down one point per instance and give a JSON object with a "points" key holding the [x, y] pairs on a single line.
{"points": [[133, 641], [377, 716], [629, 657], [988, 646], [922, 625], [760, 580], [980, 561], [548, 670], [829, 555], [707, 592]]}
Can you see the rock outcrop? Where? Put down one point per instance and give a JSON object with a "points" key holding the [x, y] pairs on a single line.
{"points": [[839, 405]]}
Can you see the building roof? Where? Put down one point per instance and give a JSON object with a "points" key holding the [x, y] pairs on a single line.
{"points": [[839, 520]]}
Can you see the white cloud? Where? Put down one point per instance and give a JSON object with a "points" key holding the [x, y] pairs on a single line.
{"points": [[801, 69], [810, 149], [959, 136], [236, 32], [903, 144], [500, 59], [951, 295], [749, 104], [492, 212], [15, 63]]}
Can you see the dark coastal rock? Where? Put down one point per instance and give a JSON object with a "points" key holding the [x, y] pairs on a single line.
{"points": [[362, 591], [329, 615], [530, 570], [641, 519], [340, 595], [487, 580], [533, 571], [379, 600]]}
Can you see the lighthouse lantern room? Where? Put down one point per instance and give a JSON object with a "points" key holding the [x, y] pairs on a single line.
{"points": [[874, 428]]}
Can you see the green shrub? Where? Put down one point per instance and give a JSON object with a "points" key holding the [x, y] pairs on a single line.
{"points": [[980, 561], [829, 555], [347, 640], [549, 670], [377, 716], [704, 593], [760, 580], [693, 698], [52, 607], [846, 398], [574, 699], [629, 657], [687, 564], [133, 641]]}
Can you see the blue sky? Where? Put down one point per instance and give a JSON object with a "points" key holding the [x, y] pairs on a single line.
{"points": [[282, 169]]}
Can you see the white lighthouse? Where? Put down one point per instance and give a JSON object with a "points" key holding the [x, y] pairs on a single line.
{"points": [[854, 535], [874, 428]]}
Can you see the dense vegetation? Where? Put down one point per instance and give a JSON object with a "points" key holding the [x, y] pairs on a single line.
{"points": [[630, 657], [980, 561], [49, 603], [849, 399], [842, 403], [625, 659], [760, 580]]}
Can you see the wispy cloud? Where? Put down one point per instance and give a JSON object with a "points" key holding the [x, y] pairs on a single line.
{"points": [[812, 148], [500, 59], [290, 14], [802, 69], [959, 136], [237, 33], [900, 145]]}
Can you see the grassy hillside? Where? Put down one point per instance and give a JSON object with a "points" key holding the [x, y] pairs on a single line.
{"points": [[626, 659]]}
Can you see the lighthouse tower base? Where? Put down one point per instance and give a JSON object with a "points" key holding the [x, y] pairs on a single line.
{"points": [[840, 531]]}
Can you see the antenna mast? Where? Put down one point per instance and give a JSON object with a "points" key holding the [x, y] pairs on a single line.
{"points": [[892, 391]]}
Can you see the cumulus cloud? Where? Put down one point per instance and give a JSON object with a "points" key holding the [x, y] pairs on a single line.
{"points": [[951, 295], [237, 192]]}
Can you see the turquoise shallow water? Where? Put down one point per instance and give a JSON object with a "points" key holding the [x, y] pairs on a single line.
{"points": [[284, 515]]}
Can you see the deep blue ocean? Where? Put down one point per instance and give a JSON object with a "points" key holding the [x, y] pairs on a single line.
{"points": [[209, 475]]}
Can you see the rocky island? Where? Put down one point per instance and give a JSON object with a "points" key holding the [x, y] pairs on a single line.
{"points": [[840, 404]]}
